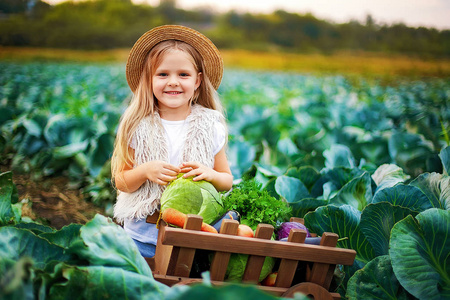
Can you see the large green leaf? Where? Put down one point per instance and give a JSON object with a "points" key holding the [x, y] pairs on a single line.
{"points": [[339, 156], [307, 174], [100, 282], [377, 220], [36, 228], [406, 148], [291, 189], [344, 221], [69, 150], [436, 187], [445, 158], [8, 195], [63, 237], [101, 151], [339, 176], [17, 243], [404, 195], [420, 254], [357, 193], [302, 207], [242, 156], [104, 243], [376, 281], [388, 175]]}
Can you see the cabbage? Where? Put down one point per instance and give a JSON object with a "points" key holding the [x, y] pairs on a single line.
{"points": [[193, 197], [285, 228], [237, 263]]}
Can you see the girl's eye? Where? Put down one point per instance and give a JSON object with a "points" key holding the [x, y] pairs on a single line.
{"points": [[162, 74], [184, 74]]}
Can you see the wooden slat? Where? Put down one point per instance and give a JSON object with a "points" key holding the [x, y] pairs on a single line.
{"points": [[220, 260], [287, 268], [255, 262], [162, 252], [182, 257], [252, 246], [298, 220], [322, 273]]}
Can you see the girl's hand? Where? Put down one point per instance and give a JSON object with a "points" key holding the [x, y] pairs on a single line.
{"points": [[160, 171], [201, 172]]}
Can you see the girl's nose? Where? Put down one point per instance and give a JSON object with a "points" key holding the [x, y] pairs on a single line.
{"points": [[173, 82]]}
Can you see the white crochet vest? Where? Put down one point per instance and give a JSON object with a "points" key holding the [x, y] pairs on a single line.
{"points": [[151, 144]]}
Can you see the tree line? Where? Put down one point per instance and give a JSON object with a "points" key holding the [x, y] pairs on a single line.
{"points": [[107, 24]]}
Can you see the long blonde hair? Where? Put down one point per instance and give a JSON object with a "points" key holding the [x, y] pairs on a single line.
{"points": [[143, 102]]}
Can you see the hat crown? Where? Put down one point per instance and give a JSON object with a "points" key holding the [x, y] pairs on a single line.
{"points": [[210, 54]]}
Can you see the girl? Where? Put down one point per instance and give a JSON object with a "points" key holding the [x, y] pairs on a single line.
{"points": [[174, 124]]}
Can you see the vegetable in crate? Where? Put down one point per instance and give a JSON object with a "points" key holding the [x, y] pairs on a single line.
{"points": [[285, 228], [177, 218], [193, 197], [237, 263], [230, 215], [256, 205]]}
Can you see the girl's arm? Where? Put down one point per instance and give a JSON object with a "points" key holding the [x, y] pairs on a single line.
{"points": [[130, 179], [220, 176]]}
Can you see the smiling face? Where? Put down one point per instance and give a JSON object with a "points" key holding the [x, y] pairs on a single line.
{"points": [[174, 83]]}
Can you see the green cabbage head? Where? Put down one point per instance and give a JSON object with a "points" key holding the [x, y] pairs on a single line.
{"points": [[237, 263], [193, 197]]}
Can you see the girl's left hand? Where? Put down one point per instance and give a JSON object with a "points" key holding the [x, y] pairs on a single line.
{"points": [[201, 172]]}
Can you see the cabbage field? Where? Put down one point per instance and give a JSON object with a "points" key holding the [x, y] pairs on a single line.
{"points": [[364, 158]]}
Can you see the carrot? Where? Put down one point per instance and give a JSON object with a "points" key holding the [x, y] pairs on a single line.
{"points": [[173, 216], [208, 228], [177, 218]]}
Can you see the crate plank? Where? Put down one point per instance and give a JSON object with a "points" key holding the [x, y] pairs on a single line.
{"points": [[220, 260], [182, 257], [255, 262], [287, 268], [322, 273]]}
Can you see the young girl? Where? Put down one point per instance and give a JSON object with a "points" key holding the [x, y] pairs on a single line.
{"points": [[174, 124]]}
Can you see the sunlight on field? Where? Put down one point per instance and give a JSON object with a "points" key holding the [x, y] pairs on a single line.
{"points": [[48, 54], [360, 63], [368, 64]]}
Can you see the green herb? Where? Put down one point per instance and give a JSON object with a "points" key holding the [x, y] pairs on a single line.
{"points": [[256, 205]]}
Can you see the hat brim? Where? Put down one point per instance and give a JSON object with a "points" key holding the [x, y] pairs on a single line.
{"points": [[211, 56]]}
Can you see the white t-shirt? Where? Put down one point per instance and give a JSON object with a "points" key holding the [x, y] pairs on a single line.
{"points": [[141, 230]]}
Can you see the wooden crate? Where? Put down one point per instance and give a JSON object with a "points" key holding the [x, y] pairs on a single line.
{"points": [[176, 248]]}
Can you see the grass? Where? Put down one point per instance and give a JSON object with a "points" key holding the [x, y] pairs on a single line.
{"points": [[361, 63]]}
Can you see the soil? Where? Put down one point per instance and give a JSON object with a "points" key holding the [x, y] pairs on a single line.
{"points": [[51, 201]]}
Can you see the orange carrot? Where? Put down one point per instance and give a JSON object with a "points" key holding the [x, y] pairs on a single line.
{"points": [[177, 218], [173, 216], [208, 228]]}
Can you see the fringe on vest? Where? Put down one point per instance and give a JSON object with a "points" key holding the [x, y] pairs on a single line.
{"points": [[151, 144]]}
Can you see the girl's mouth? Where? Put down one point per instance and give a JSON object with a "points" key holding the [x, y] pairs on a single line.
{"points": [[173, 93]]}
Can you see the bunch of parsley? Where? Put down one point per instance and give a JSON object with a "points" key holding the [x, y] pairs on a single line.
{"points": [[256, 205]]}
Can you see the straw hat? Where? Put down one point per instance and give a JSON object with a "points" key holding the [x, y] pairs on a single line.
{"points": [[210, 54]]}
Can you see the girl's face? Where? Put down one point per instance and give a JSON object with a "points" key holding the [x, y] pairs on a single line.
{"points": [[174, 83]]}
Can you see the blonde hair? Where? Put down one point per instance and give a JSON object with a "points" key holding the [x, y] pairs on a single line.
{"points": [[143, 102]]}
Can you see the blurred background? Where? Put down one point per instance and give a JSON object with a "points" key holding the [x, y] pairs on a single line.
{"points": [[307, 84], [418, 28]]}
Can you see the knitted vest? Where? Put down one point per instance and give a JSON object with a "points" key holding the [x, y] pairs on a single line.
{"points": [[151, 144]]}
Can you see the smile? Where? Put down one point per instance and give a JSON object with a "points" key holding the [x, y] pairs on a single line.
{"points": [[172, 93]]}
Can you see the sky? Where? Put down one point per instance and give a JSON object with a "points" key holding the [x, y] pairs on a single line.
{"points": [[414, 13]]}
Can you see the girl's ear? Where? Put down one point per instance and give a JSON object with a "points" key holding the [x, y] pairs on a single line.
{"points": [[199, 80]]}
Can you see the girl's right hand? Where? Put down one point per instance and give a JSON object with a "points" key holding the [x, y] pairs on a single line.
{"points": [[160, 172]]}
